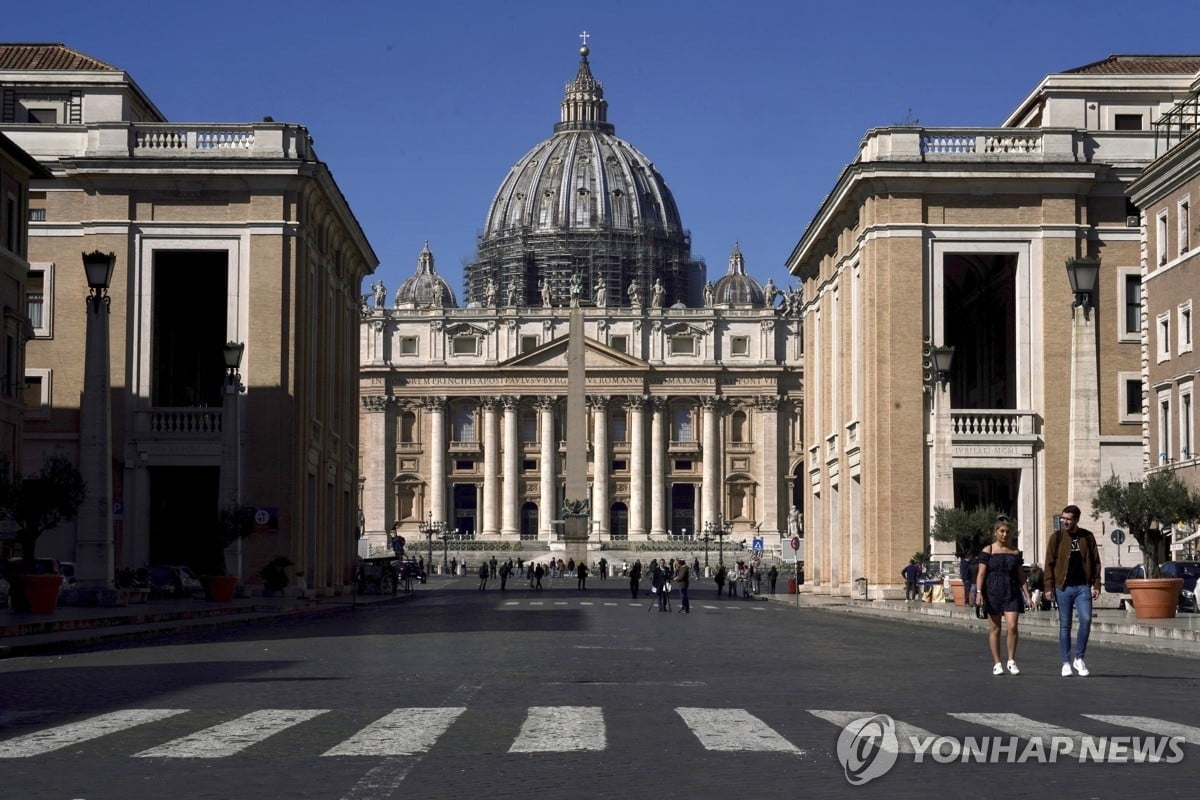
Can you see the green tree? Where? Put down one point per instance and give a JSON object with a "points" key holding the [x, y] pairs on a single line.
{"points": [[42, 501], [970, 530], [1146, 508], [233, 523]]}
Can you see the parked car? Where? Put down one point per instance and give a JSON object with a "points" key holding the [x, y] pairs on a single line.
{"points": [[67, 568], [1189, 571], [1114, 578], [174, 580]]}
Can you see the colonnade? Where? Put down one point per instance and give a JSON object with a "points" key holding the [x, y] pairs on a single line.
{"points": [[502, 496]]}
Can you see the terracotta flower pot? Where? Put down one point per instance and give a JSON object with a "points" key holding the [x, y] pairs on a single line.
{"points": [[35, 594], [1154, 598], [220, 588], [957, 591]]}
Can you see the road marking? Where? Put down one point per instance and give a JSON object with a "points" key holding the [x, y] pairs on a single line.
{"points": [[904, 731], [234, 736], [512, 602], [1151, 725], [535, 602], [610, 604], [733, 730], [561, 729], [403, 732], [586, 603], [1023, 727], [560, 602], [51, 739]]}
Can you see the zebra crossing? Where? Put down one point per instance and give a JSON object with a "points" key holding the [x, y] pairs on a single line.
{"points": [[697, 603], [545, 729]]}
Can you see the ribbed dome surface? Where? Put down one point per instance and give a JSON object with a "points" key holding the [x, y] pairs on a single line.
{"points": [[736, 288], [583, 180], [425, 287]]}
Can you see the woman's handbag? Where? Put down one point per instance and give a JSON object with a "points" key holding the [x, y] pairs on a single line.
{"points": [[980, 611]]}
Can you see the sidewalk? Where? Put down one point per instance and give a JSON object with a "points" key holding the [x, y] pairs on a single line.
{"points": [[1178, 636], [72, 627]]}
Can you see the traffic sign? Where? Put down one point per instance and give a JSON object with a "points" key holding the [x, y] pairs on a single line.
{"points": [[1118, 536], [795, 542]]}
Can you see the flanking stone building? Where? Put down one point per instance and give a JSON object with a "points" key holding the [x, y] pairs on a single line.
{"points": [[938, 238]]}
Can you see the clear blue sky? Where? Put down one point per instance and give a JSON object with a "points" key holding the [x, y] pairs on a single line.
{"points": [[749, 109]]}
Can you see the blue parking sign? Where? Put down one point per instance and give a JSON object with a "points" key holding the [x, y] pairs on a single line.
{"points": [[757, 545]]}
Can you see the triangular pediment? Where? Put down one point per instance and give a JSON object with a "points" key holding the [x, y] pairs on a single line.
{"points": [[596, 355]]}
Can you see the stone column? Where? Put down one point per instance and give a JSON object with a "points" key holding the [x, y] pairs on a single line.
{"points": [[658, 468], [490, 526], [547, 468], [376, 480], [710, 508], [601, 465], [435, 407], [510, 528], [1083, 456], [772, 470], [637, 466]]}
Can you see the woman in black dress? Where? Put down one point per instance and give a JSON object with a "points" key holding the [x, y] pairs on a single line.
{"points": [[1002, 591]]}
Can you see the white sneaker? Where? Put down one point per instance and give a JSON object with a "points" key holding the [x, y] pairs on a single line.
{"points": [[1012, 668], [1066, 670], [1081, 668], [997, 669]]}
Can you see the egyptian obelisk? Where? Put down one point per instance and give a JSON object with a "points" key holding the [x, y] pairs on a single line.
{"points": [[576, 511]]}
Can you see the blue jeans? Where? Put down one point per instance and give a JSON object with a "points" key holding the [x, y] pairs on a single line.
{"points": [[1078, 598]]}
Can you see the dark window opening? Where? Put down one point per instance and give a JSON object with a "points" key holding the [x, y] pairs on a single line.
{"points": [[189, 330]]}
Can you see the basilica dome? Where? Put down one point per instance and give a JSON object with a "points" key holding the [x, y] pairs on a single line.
{"points": [[425, 287], [736, 288], [584, 201]]}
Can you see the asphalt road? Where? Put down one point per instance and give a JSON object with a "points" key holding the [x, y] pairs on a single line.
{"points": [[566, 694]]}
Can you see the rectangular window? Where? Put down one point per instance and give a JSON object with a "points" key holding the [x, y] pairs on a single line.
{"points": [[408, 345], [739, 346], [37, 215], [12, 223], [683, 345], [1182, 224], [1186, 424], [528, 343], [465, 345], [1164, 337], [620, 465], [1160, 239], [464, 466], [529, 464], [1184, 324], [682, 465], [1127, 122], [1130, 388], [619, 343], [1132, 301], [36, 394], [1164, 427], [42, 116]]}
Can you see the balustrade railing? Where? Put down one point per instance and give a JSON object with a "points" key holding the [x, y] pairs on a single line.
{"points": [[183, 421], [991, 423]]}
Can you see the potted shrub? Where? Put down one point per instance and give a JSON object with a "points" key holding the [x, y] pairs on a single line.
{"points": [[274, 575], [970, 531], [1145, 509], [233, 524], [37, 503]]}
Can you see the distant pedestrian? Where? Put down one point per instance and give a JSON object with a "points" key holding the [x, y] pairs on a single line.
{"points": [[719, 579], [581, 573], [772, 577], [658, 584], [505, 571], [538, 574], [912, 576], [682, 578], [635, 579], [492, 566], [603, 569], [454, 566], [1072, 575], [484, 572]]}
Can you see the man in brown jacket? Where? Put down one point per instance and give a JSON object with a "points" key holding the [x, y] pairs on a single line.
{"points": [[1073, 574]]}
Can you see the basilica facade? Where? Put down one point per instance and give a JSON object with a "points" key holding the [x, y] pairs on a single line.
{"points": [[693, 395]]}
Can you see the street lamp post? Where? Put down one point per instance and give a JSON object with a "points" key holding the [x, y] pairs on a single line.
{"points": [[430, 529], [720, 530], [231, 451], [706, 538], [446, 537], [94, 546]]}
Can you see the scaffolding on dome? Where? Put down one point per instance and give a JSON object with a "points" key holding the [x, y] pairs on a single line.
{"points": [[522, 259]]}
